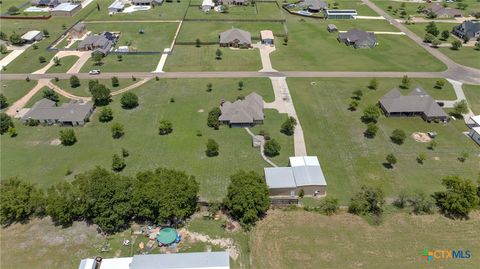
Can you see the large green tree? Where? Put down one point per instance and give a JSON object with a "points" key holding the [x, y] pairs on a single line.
{"points": [[5, 123], [63, 203], [100, 93], [459, 198], [19, 200], [368, 201], [371, 113], [129, 100]]}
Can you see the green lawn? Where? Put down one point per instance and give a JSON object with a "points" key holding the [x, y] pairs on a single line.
{"points": [[157, 35], [182, 149], [300, 239], [349, 160], [210, 31], [261, 11], [15, 89], [141, 63], [419, 29], [191, 58], [83, 90], [472, 92], [65, 64], [312, 47], [466, 56], [5, 4], [410, 8], [37, 97], [361, 8], [167, 11]]}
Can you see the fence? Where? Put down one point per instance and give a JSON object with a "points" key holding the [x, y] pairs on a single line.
{"points": [[284, 201], [8, 17]]}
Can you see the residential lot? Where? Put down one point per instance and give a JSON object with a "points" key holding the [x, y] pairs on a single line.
{"points": [[305, 240], [350, 160], [182, 149], [259, 11], [466, 56], [413, 8], [167, 11], [472, 92], [141, 62], [324, 52], [65, 64], [14, 89], [83, 90]]}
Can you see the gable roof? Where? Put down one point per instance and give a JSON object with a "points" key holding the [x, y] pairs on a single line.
{"points": [[30, 35], [210, 260], [266, 34], [233, 34], [79, 27], [439, 10], [303, 171], [469, 28], [243, 111], [356, 35], [313, 4], [45, 109]]}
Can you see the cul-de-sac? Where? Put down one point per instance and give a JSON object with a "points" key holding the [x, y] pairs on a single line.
{"points": [[239, 134]]}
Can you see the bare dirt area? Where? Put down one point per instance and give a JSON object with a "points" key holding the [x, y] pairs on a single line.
{"points": [[421, 137]]}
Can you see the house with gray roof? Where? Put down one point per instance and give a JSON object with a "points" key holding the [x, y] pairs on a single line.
{"points": [[234, 2], [417, 103], [359, 39], [236, 38], [304, 173], [78, 30], [439, 11], [48, 3], [313, 5], [467, 30], [243, 113], [146, 2], [101, 43], [72, 113]]}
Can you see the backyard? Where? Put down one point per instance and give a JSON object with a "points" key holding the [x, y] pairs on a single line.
{"points": [[167, 11], [472, 92], [128, 62], [260, 11], [349, 160]]}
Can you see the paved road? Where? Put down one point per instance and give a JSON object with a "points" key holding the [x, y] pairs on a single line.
{"points": [[454, 70]]}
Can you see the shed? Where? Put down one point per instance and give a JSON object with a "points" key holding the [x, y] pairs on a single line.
{"points": [[116, 6], [196, 260], [207, 5], [332, 28], [340, 14], [79, 30], [32, 36], [65, 9], [267, 37]]}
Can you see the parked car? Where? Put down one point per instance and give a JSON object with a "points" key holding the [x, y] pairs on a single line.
{"points": [[94, 72]]}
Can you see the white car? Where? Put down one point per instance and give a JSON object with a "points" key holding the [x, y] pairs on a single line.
{"points": [[94, 72]]}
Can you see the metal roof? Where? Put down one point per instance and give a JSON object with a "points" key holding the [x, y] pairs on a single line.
{"points": [[210, 260], [266, 34], [303, 171], [352, 12], [87, 264], [65, 7], [279, 177], [30, 35]]}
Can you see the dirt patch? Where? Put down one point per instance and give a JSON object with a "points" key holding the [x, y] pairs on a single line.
{"points": [[421, 137], [436, 158], [226, 243], [200, 110], [55, 142]]}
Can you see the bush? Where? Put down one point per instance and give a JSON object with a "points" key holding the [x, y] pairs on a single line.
{"points": [[32, 122], [117, 130], [456, 44], [115, 81], [165, 127], [439, 84], [212, 120], [5, 123], [74, 81], [272, 148], [13, 10], [459, 198], [129, 100], [461, 107], [371, 131], [41, 59], [398, 136], [421, 203], [421, 157], [212, 148], [67, 137], [12, 131], [329, 205], [368, 201], [405, 84], [118, 163], [373, 85], [288, 127], [371, 114], [125, 153], [51, 95], [106, 114], [301, 193], [353, 105], [3, 101], [391, 159]]}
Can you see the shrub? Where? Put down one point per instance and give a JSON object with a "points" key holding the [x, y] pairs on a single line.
{"points": [[212, 120], [405, 84], [67, 137], [371, 131], [329, 205], [118, 163], [165, 127], [51, 95], [288, 127], [3, 101], [117, 130], [106, 114], [371, 114], [373, 85], [398, 136], [129, 100], [456, 44], [272, 148], [5, 123], [212, 148], [391, 159], [459, 198], [368, 201], [115, 82]]}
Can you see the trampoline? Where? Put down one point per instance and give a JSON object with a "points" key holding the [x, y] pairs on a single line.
{"points": [[167, 236]]}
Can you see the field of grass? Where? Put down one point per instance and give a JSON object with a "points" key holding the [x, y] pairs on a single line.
{"points": [[419, 29], [5, 4], [157, 35], [191, 58], [83, 90], [167, 11], [361, 8], [129, 63], [410, 8], [210, 31], [349, 160], [261, 11], [182, 149], [472, 92], [15, 89], [65, 64], [312, 47], [466, 56], [301, 239]]}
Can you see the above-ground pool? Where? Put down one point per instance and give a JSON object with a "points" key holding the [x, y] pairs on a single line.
{"points": [[305, 13]]}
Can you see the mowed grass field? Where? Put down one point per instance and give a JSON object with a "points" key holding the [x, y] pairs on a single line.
{"points": [[182, 149], [466, 56], [472, 92], [83, 90], [259, 11], [349, 160], [167, 11], [307, 240], [129, 62], [312, 47], [156, 36], [65, 64], [15, 89], [419, 29]]}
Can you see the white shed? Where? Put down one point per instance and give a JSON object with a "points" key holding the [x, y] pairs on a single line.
{"points": [[32, 36]]}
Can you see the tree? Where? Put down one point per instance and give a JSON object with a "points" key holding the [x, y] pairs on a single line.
{"points": [[432, 145], [5, 123], [405, 82], [373, 85], [212, 120], [97, 58], [329, 205], [15, 39], [368, 201], [91, 84], [421, 157], [119, 57], [371, 114], [212, 148], [463, 156], [247, 197], [19, 200], [429, 38], [3, 101], [459, 198], [115, 82], [125, 153], [41, 59], [164, 196], [51, 95], [421, 203], [117, 130], [3, 49], [106, 114], [431, 28], [439, 84], [13, 10], [56, 61], [129, 100], [62, 203], [3, 36], [272, 148], [240, 85], [445, 35], [371, 131], [74, 81], [456, 44], [402, 200], [357, 94], [353, 105], [46, 33], [398, 136], [285, 40], [67, 137], [118, 163], [391, 160], [218, 54], [288, 127], [436, 43], [165, 127], [198, 42], [100, 94], [209, 87], [461, 107]]}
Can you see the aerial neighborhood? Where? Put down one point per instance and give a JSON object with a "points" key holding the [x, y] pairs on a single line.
{"points": [[225, 134]]}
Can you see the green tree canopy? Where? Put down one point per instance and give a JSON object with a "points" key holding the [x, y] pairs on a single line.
{"points": [[288, 127], [5, 123], [67, 137], [63, 203], [272, 148], [3, 101], [19, 200], [106, 114], [369, 200], [459, 198], [100, 94], [129, 100], [165, 127], [371, 114], [212, 148], [51, 95]]}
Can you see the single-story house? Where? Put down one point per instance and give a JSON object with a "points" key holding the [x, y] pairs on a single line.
{"points": [[313, 5], [47, 3], [78, 30], [194, 260], [243, 113], [474, 125], [207, 5], [336, 14], [47, 112], [467, 30], [116, 6], [417, 103], [146, 2], [267, 37], [304, 173], [234, 2], [236, 38], [359, 39], [442, 12], [65, 9], [32, 36], [332, 28], [101, 43]]}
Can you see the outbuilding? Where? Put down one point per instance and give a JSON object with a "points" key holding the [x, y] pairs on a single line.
{"points": [[332, 28], [116, 7], [32, 36], [267, 37], [336, 14], [207, 5], [79, 30], [65, 9], [475, 134]]}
